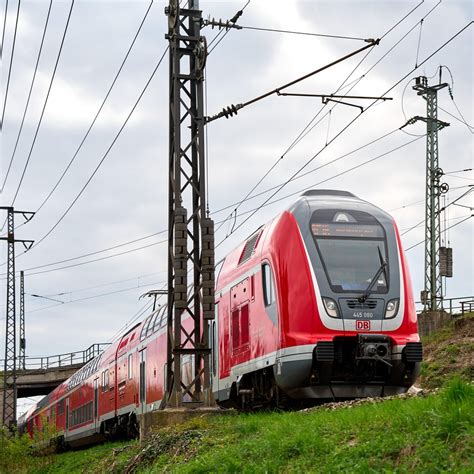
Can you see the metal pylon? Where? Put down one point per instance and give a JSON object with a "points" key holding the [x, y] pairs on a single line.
{"points": [[10, 365], [433, 283], [191, 234], [9, 370]]}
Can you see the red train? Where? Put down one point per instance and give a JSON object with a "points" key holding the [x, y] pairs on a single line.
{"points": [[316, 304]]}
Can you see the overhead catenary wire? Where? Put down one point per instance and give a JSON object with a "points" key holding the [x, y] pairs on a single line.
{"points": [[28, 99], [11, 62], [215, 212], [99, 110], [110, 283], [439, 212], [303, 33], [266, 191], [404, 231], [3, 29], [354, 120], [85, 298], [233, 109], [44, 105], [136, 316], [450, 227], [105, 154], [311, 125]]}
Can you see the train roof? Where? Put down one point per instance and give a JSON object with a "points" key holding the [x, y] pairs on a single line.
{"points": [[328, 192]]}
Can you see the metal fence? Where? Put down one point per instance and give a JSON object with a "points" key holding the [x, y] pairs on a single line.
{"points": [[60, 360], [458, 305]]}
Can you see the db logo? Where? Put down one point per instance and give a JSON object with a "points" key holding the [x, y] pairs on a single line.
{"points": [[363, 325]]}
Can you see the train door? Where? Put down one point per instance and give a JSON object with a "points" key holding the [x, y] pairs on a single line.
{"points": [[67, 416], [214, 344], [96, 403], [142, 382]]}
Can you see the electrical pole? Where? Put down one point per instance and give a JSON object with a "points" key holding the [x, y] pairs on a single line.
{"points": [[22, 322], [191, 235], [9, 371], [432, 296]]}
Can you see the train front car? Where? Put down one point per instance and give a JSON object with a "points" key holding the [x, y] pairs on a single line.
{"points": [[366, 337], [317, 304]]}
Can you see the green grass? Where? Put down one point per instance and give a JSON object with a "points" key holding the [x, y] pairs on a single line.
{"points": [[422, 434], [448, 353]]}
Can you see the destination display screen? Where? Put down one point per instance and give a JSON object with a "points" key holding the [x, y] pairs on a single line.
{"points": [[347, 230]]}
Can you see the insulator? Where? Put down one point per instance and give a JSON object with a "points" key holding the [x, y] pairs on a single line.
{"points": [[229, 111]]}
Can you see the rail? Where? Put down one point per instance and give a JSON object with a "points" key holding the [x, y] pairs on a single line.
{"points": [[60, 360], [458, 305]]}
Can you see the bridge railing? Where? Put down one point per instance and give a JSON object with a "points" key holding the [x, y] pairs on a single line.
{"points": [[458, 305], [60, 360]]}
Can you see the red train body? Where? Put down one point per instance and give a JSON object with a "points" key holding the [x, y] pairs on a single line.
{"points": [[316, 304]]}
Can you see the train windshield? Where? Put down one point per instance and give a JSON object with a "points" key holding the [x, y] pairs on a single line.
{"points": [[352, 248]]}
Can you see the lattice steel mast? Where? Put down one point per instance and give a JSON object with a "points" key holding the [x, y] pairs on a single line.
{"points": [[9, 369], [191, 237], [432, 296]]}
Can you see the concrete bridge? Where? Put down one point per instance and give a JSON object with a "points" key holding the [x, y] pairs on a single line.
{"points": [[41, 375]]}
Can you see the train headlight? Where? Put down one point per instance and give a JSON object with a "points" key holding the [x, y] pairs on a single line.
{"points": [[391, 309], [331, 307]]}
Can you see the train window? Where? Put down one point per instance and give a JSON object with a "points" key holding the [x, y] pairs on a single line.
{"points": [[145, 327], [60, 407], [158, 320], [268, 287], [352, 248], [235, 329], [130, 366], [244, 325], [240, 327]]}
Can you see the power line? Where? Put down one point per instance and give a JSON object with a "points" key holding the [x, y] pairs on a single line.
{"points": [[303, 33], [131, 320], [350, 123], [164, 231], [45, 102], [215, 212], [231, 110], [247, 198], [4, 28], [29, 97], [95, 252], [408, 229], [105, 154], [441, 210], [442, 232], [11, 61], [94, 296], [98, 111], [310, 126], [88, 288], [382, 36], [97, 259], [469, 127]]}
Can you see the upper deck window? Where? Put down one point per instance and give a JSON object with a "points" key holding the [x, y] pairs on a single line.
{"points": [[352, 247]]}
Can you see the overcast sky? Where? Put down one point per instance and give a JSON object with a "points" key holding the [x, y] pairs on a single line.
{"points": [[127, 198]]}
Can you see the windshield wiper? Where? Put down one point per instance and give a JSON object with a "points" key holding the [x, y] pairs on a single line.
{"points": [[382, 269]]}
